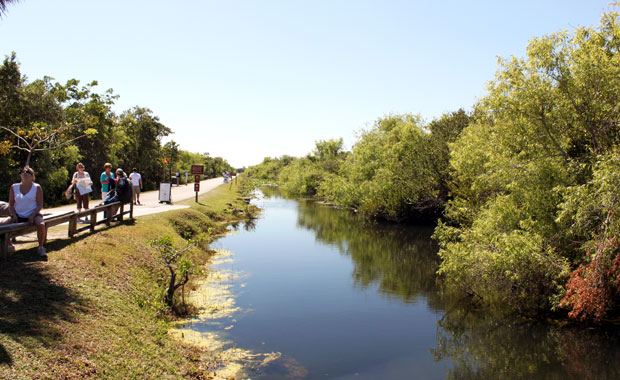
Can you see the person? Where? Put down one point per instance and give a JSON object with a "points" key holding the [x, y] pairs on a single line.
{"points": [[82, 183], [123, 186], [186, 177], [178, 178], [121, 192], [136, 181], [106, 179], [25, 203], [122, 189]]}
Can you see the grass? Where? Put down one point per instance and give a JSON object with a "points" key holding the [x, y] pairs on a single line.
{"points": [[94, 310]]}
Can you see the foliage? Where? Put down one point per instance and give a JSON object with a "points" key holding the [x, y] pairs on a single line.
{"points": [[63, 124], [515, 228], [179, 266], [593, 288], [303, 176], [270, 168], [398, 169]]}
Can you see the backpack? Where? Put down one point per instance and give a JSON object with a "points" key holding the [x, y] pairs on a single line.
{"points": [[123, 190], [111, 183]]}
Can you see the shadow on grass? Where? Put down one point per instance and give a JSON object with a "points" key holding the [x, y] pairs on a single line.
{"points": [[32, 301]]}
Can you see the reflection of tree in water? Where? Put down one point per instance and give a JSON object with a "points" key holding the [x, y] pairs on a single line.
{"points": [[249, 225], [483, 346], [402, 260], [271, 192]]}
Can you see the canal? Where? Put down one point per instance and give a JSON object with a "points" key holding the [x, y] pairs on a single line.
{"points": [[309, 291]]}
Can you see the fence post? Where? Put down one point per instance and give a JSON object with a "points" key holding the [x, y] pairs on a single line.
{"points": [[108, 214], [4, 246], [93, 220], [72, 225], [131, 210], [120, 215]]}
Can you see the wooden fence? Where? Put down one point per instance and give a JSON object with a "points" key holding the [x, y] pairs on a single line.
{"points": [[109, 212]]}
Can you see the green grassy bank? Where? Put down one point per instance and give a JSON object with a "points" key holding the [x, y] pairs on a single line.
{"points": [[94, 310]]}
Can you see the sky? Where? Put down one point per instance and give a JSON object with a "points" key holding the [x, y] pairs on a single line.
{"points": [[249, 79]]}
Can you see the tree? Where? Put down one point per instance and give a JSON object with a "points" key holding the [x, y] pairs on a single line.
{"points": [[141, 143], [546, 131], [4, 4], [32, 117], [179, 266]]}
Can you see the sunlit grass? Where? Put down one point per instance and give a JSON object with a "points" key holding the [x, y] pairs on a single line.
{"points": [[94, 310]]}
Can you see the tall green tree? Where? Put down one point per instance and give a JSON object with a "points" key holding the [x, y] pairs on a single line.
{"points": [[398, 169], [141, 143], [548, 119]]}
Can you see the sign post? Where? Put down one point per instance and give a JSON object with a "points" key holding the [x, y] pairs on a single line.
{"points": [[164, 192], [197, 171]]}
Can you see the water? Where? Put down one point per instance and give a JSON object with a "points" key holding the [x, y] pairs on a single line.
{"points": [[338, 298]]}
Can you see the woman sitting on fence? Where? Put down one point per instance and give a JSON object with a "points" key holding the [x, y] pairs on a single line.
{"points": [[25, 203]]}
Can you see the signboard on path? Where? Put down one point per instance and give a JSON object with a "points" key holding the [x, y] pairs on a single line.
{"points": [[164, 192], [197, 169]]}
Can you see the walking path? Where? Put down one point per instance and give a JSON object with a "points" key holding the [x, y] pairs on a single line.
{"points": [[150, 199], [149, 205]]}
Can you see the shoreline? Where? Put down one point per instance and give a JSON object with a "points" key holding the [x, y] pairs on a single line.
{"points": [[95, 310]]}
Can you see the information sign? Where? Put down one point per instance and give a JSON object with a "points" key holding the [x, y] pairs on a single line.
{"points": [[198, 169], [196, 187], [164, 192]]}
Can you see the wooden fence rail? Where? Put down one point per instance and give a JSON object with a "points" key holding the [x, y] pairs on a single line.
{"points": [[109, 215]]}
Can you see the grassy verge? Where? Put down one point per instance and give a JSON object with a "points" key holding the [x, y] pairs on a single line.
{"points": [[94, 310]]}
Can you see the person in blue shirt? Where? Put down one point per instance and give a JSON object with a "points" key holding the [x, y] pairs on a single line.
{"points": [[107, 180]]}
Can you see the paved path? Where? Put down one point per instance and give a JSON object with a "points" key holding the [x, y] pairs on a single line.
{"points": [[149, 205], [150, 199]]}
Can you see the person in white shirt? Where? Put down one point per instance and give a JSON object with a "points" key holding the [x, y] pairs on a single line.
{"points": [[25, 203], [136, 185], [82, 183]]}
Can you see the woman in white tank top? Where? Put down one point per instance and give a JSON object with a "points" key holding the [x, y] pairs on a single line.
{"points": [[25, 203]]}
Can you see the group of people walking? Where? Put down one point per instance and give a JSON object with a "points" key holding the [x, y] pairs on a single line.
{"points": [[26, 197]]}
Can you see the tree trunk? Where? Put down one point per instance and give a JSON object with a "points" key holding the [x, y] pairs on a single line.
{"points": [[28, 159], [171, 288]]}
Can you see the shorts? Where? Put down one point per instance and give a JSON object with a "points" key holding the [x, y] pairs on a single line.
{"points": [[136, 189], [37, 219]]}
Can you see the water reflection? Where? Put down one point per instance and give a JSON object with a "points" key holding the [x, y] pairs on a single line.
{"points": [[481, 346], [402, 261]]}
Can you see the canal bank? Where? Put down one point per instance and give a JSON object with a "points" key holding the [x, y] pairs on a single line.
{"points": [[94, 310]]}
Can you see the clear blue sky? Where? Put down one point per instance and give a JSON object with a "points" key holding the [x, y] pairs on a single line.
{"points": [[249, 79]]}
